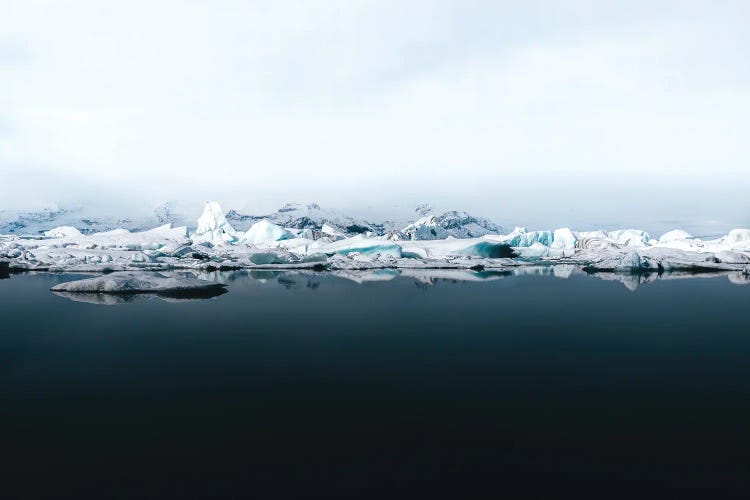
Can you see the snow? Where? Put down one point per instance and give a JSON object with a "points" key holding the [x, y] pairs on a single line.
{"points": [[136, 282]]}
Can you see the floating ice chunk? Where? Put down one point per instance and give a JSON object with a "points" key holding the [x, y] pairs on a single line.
{"points": [[486, 247], [520, 237], [534, 251], [595, 240], [629, 237], [136, 282], [675, 235], [729, 257], [362, 245], [213, 226], [263, 232], [563, 238], [332, 232], [737, 236], [62, 232], [282, 256], [271, 257], [618, 260]]}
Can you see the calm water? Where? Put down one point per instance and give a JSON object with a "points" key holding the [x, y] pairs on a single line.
{"points": [[314, 385]]}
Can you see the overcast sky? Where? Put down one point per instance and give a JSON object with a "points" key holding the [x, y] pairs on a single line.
{"points": [[567, 112]]}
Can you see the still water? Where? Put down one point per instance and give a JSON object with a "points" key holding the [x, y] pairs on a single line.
{"points": [[316, 385]]}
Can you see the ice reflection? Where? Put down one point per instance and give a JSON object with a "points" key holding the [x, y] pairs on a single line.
{"points": [[423, 278]]}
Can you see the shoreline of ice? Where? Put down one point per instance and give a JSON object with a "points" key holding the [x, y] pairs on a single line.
{"points": [[215, 244]]}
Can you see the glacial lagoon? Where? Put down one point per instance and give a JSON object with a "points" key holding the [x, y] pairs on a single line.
{"points": [[375, 382]]}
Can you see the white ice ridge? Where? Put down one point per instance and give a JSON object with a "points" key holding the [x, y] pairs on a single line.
{"points": [[216, 245], [213, 226]]}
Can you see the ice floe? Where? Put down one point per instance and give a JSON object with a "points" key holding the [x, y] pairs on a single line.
{"points": [[137, 282]]}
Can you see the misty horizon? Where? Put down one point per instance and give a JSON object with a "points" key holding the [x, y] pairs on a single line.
{"points": [[593, 115]]}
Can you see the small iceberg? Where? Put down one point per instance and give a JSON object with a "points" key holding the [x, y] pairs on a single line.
{"points": [[132, 282]]}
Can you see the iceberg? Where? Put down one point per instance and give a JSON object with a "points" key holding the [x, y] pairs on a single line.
{"points": [[454, 247], [629, 237], [739, 237], [564, 239], [626, 260], [264, 232], [729, 257], [361, 245], [534, 251], [520, 237], [62, 232], [213, 226], [137, 282], [675, 235]]}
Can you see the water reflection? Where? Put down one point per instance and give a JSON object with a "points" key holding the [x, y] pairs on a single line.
{"points": [[4, 270], [115, 299], [291, 279], [423, 278]]}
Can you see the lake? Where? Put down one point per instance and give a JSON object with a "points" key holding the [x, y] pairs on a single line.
{"points": [[310, 384]]}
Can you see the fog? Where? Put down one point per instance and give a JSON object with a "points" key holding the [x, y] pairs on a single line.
{"points": [[535, 113]]}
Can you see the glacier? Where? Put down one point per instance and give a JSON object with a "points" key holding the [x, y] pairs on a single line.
{"points": [[427, 243]]}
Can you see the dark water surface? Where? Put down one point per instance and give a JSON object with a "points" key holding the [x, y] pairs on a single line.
{"points": [[316, 386]]}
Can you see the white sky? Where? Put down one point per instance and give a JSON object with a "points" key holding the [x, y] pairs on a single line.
{"points": [[537, 112]]}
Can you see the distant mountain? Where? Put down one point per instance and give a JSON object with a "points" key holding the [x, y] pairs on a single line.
{"points": [[453, 223], [299, 216], [292, 215], [37, 222]]}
